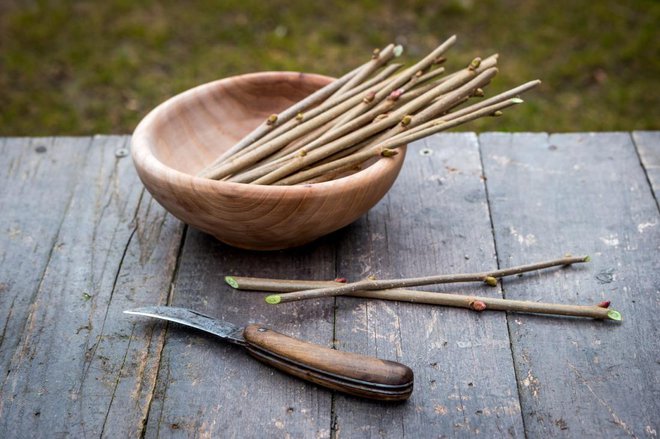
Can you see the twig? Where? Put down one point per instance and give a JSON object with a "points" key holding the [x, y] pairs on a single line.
{"points": [[380, 57], [378, 80], [442, 124], [400, 79], [497, 98], [406, 137], [236, 164], [489, 277], [476, 303], [322, 152], [285, 116]]}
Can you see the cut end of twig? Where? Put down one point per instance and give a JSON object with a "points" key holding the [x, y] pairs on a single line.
{"points": [[406, 120], [273, 299], [490, 281], [604, 304], [398, 50], [614, 315], [272, 119], [388, 152], [231, 281]]}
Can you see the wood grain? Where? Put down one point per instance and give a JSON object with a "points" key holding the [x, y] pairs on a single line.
{"points": [[585, 194], [226, 392], [80, 241], [32, 213], [187, 132], [81, 369], [648, 148], [435, 219]]}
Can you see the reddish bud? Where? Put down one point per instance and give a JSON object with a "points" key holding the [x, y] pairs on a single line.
{"points": [[396, 94], [604, 304], [478, 305], [341, 280]]}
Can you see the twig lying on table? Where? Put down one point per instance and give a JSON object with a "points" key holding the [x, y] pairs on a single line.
{"points": [[475, 303], [488, 277]]}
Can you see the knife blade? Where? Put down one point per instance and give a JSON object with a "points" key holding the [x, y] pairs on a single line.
{"points": [[355, 374]]}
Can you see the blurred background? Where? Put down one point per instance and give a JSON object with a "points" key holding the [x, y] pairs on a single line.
{"points": [[84, 67]]}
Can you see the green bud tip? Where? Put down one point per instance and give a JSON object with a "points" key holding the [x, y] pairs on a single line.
{"points": [[398, 50], [388, 153], [490, 281], [300, 116], [231, 281], [271, 119], [614, 315], [406, 120], [517, 100], [475, 63], [273, 299], [587, 259]]}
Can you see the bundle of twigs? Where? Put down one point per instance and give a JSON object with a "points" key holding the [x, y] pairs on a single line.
{"points": [[367, 113]]}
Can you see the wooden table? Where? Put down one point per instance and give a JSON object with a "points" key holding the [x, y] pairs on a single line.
{"points": [[81, 240]]}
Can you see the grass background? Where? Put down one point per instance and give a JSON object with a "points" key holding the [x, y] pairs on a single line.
{"points": [[83, 67]]}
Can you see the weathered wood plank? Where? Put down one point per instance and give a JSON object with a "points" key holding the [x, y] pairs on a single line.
{"points": [[580, 193], [31, 216], [434, 220], [82, 368], [208, 388], [648, 148]]}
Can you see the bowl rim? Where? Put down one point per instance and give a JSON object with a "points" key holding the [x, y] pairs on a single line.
{"points": [[146, 161]]}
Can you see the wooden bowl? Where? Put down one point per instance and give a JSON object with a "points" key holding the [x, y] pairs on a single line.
{"points": [[187, 132]]}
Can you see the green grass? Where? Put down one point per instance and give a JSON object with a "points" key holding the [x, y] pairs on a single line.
{"points": [[82, 67]]}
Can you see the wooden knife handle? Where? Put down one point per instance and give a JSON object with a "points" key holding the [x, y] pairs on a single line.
{"points": [[355, 374]]}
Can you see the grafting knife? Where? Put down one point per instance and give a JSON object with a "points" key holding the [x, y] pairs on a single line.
{"points": [[355, 374]]}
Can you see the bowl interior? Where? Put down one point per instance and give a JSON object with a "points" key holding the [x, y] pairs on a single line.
{"points": [[195, 127]]}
